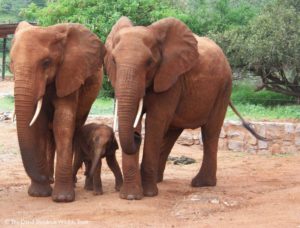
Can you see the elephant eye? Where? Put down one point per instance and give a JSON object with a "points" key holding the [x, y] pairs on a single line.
{"points": [[46, 63]]}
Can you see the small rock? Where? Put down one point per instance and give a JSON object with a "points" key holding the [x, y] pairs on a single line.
{"points": [[184, 160], [275, 148], [235, 145], [230, 204], [214, 201]]}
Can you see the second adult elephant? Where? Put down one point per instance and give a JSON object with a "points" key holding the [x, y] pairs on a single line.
{"points": [[184, 81], [58, 74]]}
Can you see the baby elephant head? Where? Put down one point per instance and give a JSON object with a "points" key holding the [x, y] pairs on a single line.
{"points": [[101, 141]]}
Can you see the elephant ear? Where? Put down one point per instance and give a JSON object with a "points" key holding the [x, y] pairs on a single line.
{"points": [[110, 67], [179, 51], [22, 25], [83, 55]]}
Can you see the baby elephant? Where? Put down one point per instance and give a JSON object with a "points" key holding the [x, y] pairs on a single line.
{"points": [[92, 143]]}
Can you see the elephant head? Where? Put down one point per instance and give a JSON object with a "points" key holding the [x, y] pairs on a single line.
{"points": [[62, 57], [141, 59], [101, 141]]}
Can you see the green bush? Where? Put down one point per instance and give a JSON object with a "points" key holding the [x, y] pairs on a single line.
{"points": [[269, 45]]}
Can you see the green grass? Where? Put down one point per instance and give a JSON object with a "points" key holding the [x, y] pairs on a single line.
{"points": [[263, 105], [7, 104], [103, 106]]}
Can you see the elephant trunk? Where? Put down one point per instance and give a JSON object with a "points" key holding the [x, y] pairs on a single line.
{"points": [[29, 140], [97, 156], [128, 95]]}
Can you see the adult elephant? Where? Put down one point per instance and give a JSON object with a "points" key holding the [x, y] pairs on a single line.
{"points": [[184, 81], [58, 74]]}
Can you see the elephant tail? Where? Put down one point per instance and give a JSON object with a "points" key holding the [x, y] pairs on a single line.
{"points": [[246, 124]]}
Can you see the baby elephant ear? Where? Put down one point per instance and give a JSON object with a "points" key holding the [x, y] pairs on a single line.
{"points": [[179, 51], [110, 67], [83, 55]]}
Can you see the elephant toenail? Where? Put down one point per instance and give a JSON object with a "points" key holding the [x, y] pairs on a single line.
{"points": [[130, 197]]}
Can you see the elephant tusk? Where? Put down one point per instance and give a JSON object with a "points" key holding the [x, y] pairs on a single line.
{"points": [[37, 111], [115, 124], [138, 115]]}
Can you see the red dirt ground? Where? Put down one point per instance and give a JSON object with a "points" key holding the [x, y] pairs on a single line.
{"points": [[252, 191]]}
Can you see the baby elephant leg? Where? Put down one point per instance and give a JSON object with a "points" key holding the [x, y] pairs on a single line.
{"points": [[97, 184], [88, 185], [114, 166]]}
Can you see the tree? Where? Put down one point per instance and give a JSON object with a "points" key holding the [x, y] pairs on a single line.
{"points": [[101, 15], [270, 46]]}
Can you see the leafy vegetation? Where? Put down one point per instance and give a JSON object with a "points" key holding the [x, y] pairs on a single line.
{"points": [[258, 35], [269, 45], [9, 9], [101, 15]]}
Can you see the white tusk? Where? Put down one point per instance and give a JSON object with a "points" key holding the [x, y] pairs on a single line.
{"points": [[14, 116], [115, 124], [37, 111], [138, 115]]}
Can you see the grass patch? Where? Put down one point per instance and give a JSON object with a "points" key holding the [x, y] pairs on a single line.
{"points": [[7, 104], [103, 106], [263, 105]]}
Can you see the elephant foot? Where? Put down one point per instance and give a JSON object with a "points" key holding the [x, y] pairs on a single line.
{"points": [[160, 177], [203, 182], [131, 192], [39, 190], [88, 185], [63, 193], [118, 186], [150, 189], [98, 192]]}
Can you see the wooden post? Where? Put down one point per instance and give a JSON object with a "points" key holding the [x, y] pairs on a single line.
{"points": [[3, 57]]}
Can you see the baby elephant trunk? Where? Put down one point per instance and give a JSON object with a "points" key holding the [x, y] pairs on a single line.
{"points": [[96, 159]]}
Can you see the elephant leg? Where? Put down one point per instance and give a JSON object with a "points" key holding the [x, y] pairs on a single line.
{"points": [[97, 184], [132, 186], [150, 162], [210, 137], [51, 155], [88, 185], [167, 145], [63, 128], [114, 166], [131, 189], [77, 163], [207, 174], [41, 189]]}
